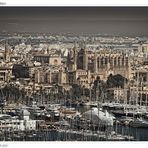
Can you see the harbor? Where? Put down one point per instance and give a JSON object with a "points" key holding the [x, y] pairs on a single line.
{"points": [[64, 123]]}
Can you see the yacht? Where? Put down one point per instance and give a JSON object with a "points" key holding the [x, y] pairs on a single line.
{"points": [[125, 120], [139, 122], [17, 123], [113, 105], [53, 111], [93, 104]]}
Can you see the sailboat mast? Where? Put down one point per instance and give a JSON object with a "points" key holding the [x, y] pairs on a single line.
{"points": [[146, 98], [98, 106], [141, 91], [90, 95], [137, 88]]}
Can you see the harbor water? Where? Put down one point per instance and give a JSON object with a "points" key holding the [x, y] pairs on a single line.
{"points": [[139, 134]]}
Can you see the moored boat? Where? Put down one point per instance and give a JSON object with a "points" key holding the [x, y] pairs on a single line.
{"points": [[139, 122]]}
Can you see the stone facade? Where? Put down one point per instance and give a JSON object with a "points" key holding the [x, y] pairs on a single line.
{"points": [[98, 63]]}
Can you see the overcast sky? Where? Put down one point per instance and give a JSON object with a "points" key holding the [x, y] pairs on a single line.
{"points": [[110, 20]]}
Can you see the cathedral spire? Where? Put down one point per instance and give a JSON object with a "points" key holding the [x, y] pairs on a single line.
{"points": [[7, 51], [75, 57]]}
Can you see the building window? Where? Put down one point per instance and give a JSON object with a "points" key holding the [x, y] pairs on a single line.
{"points": [[118, 61], [102, 61], [106, 60], [115, 62], [55, 62]]}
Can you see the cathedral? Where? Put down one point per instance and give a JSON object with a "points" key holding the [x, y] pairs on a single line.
{"points": [[87, 64]]}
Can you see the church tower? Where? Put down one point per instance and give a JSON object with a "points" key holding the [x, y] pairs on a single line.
{"points": [[82, 59], [74, 58], [85, 59], [7, 53]]}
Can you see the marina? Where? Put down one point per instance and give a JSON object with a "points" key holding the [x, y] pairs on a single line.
{"points": [[68, 124]]}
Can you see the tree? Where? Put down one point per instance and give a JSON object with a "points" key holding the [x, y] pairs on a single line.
{"points": [[116, 81], [96, 82], [86, 92], [76, 90]]}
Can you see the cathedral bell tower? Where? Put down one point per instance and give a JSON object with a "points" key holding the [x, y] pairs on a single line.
{"points": [[85, 59], [7, 53], [74, 58]]}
